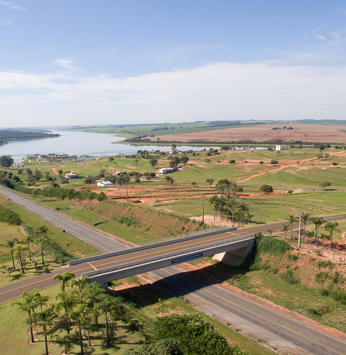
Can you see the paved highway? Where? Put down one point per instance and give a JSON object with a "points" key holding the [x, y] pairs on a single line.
{"points": [[212, 299], [92, 236]]}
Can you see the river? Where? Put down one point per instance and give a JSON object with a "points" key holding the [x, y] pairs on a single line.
{"points": [[79, 143]]}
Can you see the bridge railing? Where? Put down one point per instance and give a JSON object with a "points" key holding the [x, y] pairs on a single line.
{"points": [[179, 236], [169, 255]]}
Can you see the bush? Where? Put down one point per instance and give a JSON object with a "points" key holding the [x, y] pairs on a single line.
{"points": [[9, 217], [232, 161], [266, 188]]}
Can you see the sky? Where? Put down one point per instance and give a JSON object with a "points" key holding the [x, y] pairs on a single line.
{"points": [[86, 62]]}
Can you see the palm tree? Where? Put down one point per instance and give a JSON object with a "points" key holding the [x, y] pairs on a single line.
{"points": [[231, 205], [27, 305], [291, 220], [330, 227], [310, 234], [270, 231], [66, 302], [45, 319], [105, 305], [317, 221], [221, 205], [305, 217], [66, 341], [94, 293], [41, 238], [80, 285], [18, 250], [64, 279], [243, 208], [87, 325], [285, 228], [213, 201], [78, 315], [10, 243], [28, 239]]}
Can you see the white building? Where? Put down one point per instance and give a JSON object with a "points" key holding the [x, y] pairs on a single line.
{"points": [[104, 183]]}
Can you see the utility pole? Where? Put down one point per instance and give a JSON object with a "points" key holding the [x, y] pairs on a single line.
{"points": [[300, 217], [203, 209]]}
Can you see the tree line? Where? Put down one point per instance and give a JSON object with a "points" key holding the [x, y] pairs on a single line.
{"points": [[83, 310]]}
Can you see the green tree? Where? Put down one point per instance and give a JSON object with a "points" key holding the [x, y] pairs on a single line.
{"points": [[6, 161], [28, 304], [18, 249], [324, 184], [196, 335], [38, 175], [305, 217], [78, 315], [67, 302], [10, 243], [64, 279], [45, 319], [291, 220], [330, 227], [266, 188], [79, 286], [210, 182], [61, 173], [41, 238], [105, 305], [317, 221], [285, 228], [153, 162], [184, 159]]}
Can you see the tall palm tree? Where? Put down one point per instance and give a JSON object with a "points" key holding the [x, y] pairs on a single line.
{"points": [[64, 279], [45, 319], [330, 227], [27, 305], [310, 234], [78, 315], [80, 285], [317, 221], [305, 217], [67, 302], [18, 250], [105, 305], [41, 238], [94, 293], [28, 239], [10, 243], [291, 220], [231, 206], [285, 228], [213, 201], [243, 208], [221, 205]]}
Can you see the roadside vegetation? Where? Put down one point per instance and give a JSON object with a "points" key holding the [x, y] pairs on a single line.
{"points": [[78, 317]]}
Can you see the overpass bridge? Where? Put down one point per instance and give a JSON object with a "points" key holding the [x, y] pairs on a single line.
{"points": [[234, 245]]}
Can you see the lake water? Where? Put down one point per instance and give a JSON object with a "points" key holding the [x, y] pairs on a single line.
{"points": [[79, 143]]}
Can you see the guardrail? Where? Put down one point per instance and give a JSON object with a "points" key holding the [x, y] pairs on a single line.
{"points": [[169, 255], [151, 245]]}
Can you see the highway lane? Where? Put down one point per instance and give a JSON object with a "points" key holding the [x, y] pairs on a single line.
{"points": [[281, 331], [89, 235]]}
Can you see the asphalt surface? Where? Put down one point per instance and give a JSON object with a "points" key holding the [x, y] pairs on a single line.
{"points": [[296, 336], [89, 235]]}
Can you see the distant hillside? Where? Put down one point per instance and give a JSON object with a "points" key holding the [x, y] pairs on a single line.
{"points": [[11, 135]]}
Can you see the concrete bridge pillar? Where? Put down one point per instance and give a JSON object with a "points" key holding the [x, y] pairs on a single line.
{"points": [[235, 257]]}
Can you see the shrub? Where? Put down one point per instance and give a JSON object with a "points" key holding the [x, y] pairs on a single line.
{"points": [[232, 161], [266, 188]]}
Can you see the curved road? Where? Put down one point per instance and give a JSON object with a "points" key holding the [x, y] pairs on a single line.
{"points": [[280, 331]]}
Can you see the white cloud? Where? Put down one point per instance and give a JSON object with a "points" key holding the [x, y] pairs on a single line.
{"points": [[12, 5], [6, 23], [215, 91], [65, 63], [320, 37], [335, 35]]}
